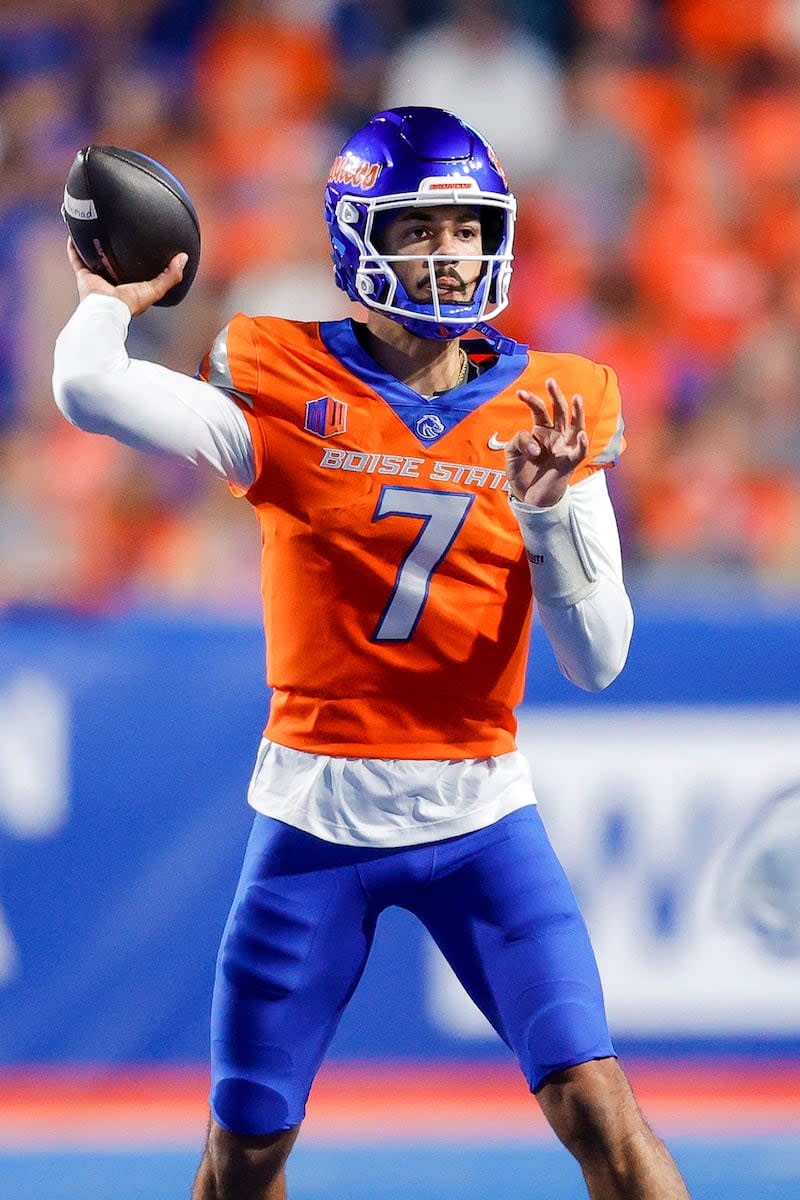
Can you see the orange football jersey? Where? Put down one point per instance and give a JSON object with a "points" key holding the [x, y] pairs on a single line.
{"points": [[396, 590]]}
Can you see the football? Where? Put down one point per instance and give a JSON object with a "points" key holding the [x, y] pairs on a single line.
{"points": [[128, 216]]}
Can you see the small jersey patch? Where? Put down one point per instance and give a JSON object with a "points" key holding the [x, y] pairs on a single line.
{"points": [[326, 417]]}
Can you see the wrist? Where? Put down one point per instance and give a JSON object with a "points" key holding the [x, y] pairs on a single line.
{"points": [[104, 302], [558, 505], [544, 497]]}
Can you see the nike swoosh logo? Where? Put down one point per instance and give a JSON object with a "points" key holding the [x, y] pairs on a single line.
{"points": [[494, 443]]}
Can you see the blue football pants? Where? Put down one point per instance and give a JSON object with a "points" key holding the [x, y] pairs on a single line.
{"points": [[496, 902]]}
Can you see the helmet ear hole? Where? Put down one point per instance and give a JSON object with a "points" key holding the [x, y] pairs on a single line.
{"points": [[347, 212]]}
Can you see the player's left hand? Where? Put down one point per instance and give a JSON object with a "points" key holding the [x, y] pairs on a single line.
{"points": [[540, 462]]}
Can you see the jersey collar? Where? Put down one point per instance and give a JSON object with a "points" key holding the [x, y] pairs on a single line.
{"points": [[428, 420]]}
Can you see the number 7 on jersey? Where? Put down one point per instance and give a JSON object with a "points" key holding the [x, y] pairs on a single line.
{"points": [[442, 514]]}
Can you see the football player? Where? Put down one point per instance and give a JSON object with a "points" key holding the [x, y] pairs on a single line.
{"points": [[415, 489]]}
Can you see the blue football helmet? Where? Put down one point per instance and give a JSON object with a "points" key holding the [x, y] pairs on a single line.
{"points": [[407, 157]]}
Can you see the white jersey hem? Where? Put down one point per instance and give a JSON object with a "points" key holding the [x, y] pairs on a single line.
{"points": [[386, 802]]}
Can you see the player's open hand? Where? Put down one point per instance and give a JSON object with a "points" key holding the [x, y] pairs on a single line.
{"points": [[137, 296], [540, 462]]}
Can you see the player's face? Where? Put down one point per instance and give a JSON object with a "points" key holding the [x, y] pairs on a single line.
{"points": [[448, 231]]}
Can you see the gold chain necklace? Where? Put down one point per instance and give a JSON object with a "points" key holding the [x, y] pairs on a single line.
{"points": [[462, 374]]}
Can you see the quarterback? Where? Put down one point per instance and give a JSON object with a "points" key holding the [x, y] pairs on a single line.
{"points": [[419, 480]]}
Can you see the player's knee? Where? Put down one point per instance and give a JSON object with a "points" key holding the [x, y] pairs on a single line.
{"points": [[581, 1122], [591, 1109]]}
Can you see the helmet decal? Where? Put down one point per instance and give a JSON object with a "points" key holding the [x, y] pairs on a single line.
{"points": [[407, 157], [355, 172]]}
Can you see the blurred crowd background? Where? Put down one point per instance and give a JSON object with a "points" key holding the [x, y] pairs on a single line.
{"points": [[654, 147]]}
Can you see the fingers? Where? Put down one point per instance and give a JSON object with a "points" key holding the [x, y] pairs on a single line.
{"points": [[539, 410], [560, 407], [172, 274], [138, 296], [176, 266], [578, 414], [75, 260], [564, 417], [158, 286], [522, 445]]}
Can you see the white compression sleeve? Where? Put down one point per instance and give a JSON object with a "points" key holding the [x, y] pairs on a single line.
{"points": [[576, 569], [100, 389]]}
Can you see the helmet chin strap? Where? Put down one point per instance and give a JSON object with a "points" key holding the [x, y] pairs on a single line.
{"points": [[498, 341]]}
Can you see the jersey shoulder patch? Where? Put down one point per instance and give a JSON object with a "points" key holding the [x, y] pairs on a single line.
{"points": [[232, 362]]}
